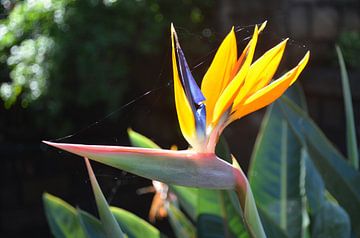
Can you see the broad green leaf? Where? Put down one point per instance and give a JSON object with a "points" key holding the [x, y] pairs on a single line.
{"points": [[217, 216], [210, 218], [134, 226], [314, 185], [62, 218], [232, 216], [91, 225], [328, 218], [110, 226], [211, 226], [331, 221], [352, 147], [271, 228], [209, 202], [340, 178], [182, 227], [187, 198], [276, 172]]}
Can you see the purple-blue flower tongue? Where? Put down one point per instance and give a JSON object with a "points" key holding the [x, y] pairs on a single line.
{"points": [[192, 91]]}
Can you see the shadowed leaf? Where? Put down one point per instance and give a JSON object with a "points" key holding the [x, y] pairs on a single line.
{"points": [[352, 147], [92, 226], [277, 173], [340, 178], [133, 225]]}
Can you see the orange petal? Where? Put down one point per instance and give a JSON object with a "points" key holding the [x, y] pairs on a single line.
{"points": [[260, 73], [218, 75], [270, 93], [242, 57], [228, 95], [268, 73], [183, 108]]}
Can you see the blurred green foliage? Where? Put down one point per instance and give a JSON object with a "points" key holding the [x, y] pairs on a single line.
{"points": [[350, 45], [68, 54]]}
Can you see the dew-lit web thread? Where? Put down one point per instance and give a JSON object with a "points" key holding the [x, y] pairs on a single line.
{"points": [[126, 105], [113, 112]]}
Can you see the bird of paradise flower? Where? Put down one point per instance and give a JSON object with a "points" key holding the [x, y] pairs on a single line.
{"points": [[231, 88]]}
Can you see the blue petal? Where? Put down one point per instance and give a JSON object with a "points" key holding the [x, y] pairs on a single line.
{"points": [[191, 88], [193, 92], [200, 119]]}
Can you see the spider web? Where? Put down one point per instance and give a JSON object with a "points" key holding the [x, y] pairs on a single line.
{"points": [[243, 34]]}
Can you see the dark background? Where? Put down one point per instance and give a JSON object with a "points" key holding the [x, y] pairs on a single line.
{"points": [[105, 66]]}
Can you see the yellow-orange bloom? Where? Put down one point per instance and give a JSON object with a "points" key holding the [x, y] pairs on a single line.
{"points": [[231, 88]]}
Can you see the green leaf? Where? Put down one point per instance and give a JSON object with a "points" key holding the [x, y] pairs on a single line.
{"points": [[110, 226], [331, 221], [341, 179], [92, 226], [187, 197], [62, 218], [272, 229], [352, 149], [328, 218], [217, 216], [232, 215], [276, 172], [210, 220], [211, 226], [182, 227], [138, 140], [133, 225]]}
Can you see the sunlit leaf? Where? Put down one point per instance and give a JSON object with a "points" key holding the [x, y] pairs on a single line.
{"points": [[134, 226], [62, 218], [138, 140]]}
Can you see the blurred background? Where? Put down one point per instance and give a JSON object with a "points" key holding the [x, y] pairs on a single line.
{"points": [[85, 71]]}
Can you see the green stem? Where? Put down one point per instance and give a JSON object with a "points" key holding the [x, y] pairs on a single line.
{"points": [[283, 188], [248, 206]]}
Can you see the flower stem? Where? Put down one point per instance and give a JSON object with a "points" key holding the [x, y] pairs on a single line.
{"points": [[247, 202]]}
